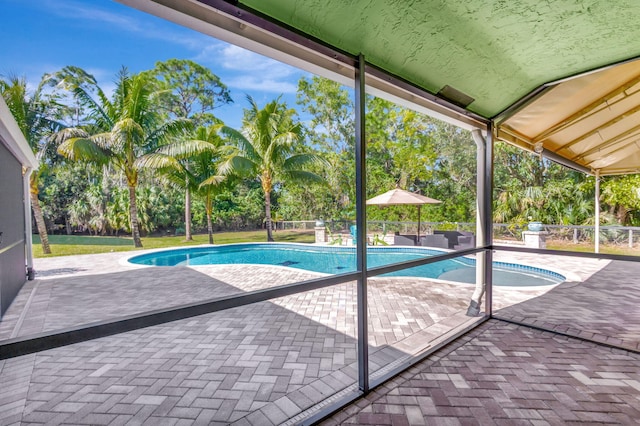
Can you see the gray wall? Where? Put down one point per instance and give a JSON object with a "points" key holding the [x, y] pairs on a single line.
{"points": [[12, 255]]}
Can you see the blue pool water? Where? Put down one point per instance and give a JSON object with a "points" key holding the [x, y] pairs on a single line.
{"points": [[336, 260]]}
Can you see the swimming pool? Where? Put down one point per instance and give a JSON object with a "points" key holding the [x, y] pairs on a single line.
{"points": [[336, 260]]}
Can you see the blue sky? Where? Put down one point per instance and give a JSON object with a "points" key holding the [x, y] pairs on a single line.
{"points": [[41, 36]]}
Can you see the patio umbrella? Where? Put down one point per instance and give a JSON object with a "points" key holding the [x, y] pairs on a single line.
{"points": [[400, 196]]}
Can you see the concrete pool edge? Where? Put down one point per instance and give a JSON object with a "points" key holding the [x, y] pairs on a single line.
{"points": [[543, 273]]}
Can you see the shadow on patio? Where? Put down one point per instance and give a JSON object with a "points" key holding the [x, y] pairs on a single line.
{"points": [[603, 308], [266, 363], [504, 373]]}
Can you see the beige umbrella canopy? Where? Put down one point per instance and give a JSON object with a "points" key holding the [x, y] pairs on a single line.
{"points": [[400, 196]]}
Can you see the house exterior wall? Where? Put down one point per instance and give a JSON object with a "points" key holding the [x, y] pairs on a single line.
{"points": [[12, 226]]}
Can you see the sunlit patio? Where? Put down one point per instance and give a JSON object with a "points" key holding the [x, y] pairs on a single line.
{"points": [[283, 360]]}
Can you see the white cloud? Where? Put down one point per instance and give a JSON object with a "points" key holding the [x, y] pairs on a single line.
{"points": [[90, 12], [239, 68], [249, 70], [247, 82], [239, 59]]}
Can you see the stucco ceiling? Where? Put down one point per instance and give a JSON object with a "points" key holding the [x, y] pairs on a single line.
{"points": [[494, 51]]}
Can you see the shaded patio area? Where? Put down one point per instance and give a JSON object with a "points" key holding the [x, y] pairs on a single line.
{"points": [[506, 374], [603, 308]]}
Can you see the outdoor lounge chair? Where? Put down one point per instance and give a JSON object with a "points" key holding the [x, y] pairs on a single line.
{"points": [[404, 240], [465, 242], [454, 238], [434, 240]]}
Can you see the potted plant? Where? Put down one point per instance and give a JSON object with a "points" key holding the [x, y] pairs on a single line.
{"points": [[534, 226]]}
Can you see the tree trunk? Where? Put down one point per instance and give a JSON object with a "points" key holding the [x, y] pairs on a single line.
{"points": [[67, 225], [187, 214], [133, 217], [37, 214], [267, 210], [104, 223], [210, 227], [208, 207]]}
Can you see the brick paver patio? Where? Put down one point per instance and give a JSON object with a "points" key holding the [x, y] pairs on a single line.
{"points": [[261, 364], [604, 308], [266, 363], [506, 374]]}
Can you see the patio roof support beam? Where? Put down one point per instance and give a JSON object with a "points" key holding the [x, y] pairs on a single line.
{"points": [[606, 101], [601, 127], [623, 138], [481, 149], [597, 209], [361, 227], [484, 222], [487, 221], [28, 240], [488, 218]]}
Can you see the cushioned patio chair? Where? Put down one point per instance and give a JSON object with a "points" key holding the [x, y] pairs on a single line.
{"points": [[404, 240], [435, 240], [465, 242]]}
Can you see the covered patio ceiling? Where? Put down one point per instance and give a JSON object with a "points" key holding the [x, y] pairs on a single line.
{"points": [[593, 121], [490, 59]]}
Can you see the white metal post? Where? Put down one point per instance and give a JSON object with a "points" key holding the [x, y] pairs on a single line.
{"points": [[597, 208], [28, 237], [484, 222], [481, 169], [361, 227]]}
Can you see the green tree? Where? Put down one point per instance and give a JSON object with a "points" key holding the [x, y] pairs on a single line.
{"points": [[527, 186], [62, 186], [122, 129], [38, 114], [453, 179], [189, 90], [621, 194], [204, 170], [267, 148], [191, 164], [331, 132], [400, 147]]}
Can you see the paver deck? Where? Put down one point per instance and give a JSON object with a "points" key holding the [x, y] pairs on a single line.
{"points": [[604, 308], [266, 363], [506, 374]]}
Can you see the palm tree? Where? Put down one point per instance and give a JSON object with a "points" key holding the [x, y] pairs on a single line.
{"points": [[266, 149], [37, 115], [121, 130], [191, 164]]}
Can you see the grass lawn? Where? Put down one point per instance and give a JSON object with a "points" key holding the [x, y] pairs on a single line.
{"points": [[65, 245], [589, 248]]}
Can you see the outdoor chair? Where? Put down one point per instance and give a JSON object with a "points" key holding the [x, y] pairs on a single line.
{"points": [[465, 242], [434, 240], [453, 238], [404, 240]]}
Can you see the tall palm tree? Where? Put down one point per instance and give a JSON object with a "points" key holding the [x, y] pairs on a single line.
{"points": [[37, 115], [122, 129], [266, 148], [199, 173]]}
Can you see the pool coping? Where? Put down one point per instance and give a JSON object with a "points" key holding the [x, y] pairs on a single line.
{"points": [[564, 276]]}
